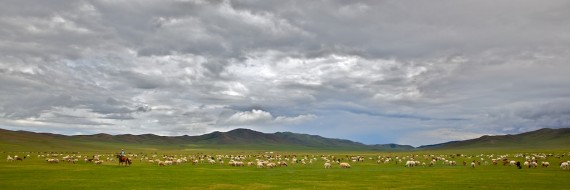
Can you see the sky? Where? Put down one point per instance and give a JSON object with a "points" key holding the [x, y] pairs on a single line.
{"points": [[391, 71]]}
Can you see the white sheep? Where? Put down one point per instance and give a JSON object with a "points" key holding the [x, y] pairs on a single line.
{"points": [[344, 165], [327, 165], [271, 165], [452, 163], [533, 165], [564, 165], [260, 164]]}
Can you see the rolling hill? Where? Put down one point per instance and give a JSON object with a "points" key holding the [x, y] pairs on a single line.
{"points": [[542, 138], [238, 138], [250, 139]]}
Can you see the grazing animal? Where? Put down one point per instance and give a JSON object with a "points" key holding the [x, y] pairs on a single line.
{"points": [[518, 164], [506, 161], [564, 165], [271, 165], [123, 160], [344, 165], [327, 165], [410, 163]]}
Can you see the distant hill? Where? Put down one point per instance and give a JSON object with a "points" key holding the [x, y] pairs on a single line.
{"points": [[542, 138], [238, 138], [249, 139]]}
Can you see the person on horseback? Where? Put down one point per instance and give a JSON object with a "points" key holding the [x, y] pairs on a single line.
{"points": [[123, 159]]}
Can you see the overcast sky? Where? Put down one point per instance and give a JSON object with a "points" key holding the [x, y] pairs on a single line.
{"points": [[407, 72]]}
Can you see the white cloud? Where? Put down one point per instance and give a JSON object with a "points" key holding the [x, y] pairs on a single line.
{"points": [[249, 117], [255, 118]]}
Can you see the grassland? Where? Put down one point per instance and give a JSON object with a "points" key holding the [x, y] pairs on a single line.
{"points": [[35, 173]]}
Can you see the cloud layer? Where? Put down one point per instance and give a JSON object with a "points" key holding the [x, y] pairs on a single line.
{"points": [[409, 72]]}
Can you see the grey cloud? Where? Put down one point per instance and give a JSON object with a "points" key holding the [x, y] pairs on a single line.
{"points": [[392, 66]]}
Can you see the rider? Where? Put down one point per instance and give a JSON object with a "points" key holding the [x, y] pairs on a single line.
{"points": [[122, 152]]}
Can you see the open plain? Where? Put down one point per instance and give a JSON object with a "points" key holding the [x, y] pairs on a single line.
{"points": [[218, 169]]}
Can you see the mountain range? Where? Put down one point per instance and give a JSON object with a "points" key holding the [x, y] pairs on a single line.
{"points": [[246, 138], [542, 138]]}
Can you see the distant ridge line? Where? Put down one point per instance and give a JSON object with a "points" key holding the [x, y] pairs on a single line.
{"points": [[546, 137]]}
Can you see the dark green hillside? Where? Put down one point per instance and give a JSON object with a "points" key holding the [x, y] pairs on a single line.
{"points": [[238, 139], [542, 138], [249, 139]]}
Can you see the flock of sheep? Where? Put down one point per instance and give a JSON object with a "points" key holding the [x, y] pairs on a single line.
{"points": [[270, 160]]}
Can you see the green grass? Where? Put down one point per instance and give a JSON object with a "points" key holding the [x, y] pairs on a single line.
{"points": [[35, 173]]}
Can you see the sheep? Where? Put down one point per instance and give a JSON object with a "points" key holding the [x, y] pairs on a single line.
{"points": [[545, 164], [473, 164], [452, 163], [533, 165], [432, 163], [410, 163], [564, 165], [99, 162], [327, 165], [237, 163], [260, 164], [344, 165], [271, 165], [9, 158]]}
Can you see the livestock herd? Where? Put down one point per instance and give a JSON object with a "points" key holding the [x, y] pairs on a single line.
{"points": [[271, 160]]}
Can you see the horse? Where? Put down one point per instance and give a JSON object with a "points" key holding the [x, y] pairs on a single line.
{"points": [[124, 160]]}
